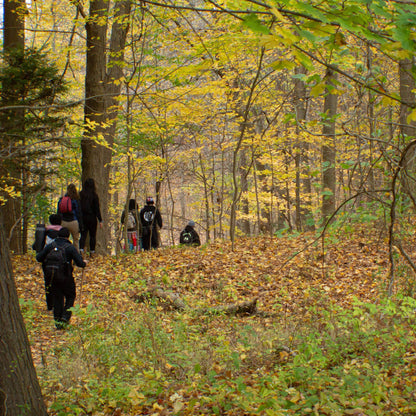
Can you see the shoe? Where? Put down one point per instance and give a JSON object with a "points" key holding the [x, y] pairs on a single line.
{"points": [[62, 324]]}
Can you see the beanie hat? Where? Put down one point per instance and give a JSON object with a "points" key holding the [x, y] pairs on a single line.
{"points": [[149, 200], [191, 223]]}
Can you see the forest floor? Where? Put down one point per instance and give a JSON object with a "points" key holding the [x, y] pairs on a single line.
{"points": [[121, 357]]}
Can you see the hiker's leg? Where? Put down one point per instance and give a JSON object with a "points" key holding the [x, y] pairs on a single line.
{"points": [[93, 235], [155, 239], [83, 238], [146, 238], [73, 228], [48, 290], [58, 302], [70, 294], [134, 240]]}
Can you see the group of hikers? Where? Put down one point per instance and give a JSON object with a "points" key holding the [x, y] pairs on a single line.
{"points": [[142, 227], [78, 216]]}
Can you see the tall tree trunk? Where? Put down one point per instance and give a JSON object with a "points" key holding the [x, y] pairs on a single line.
{"points": [[102, 87], [245, 114], [303, 193], [371, 123], [328, 148], [20, 393], [407, 86], [263, 187], [244, 223], [408, 130], [11, 170]]}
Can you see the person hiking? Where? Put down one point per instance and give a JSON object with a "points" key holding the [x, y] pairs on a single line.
{"points": [[151, 222], [52, 229], [44, 235], [69, 208], [90, 208], [189, 236], [49, 233], [56, 258], [131, 224]]}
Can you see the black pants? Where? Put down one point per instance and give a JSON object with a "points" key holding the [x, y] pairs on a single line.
{"points": [[48, 290], [150, 238], [89, 227], [63, 299]]}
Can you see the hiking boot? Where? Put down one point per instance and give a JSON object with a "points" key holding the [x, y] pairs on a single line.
{"points": [[61, 325]]}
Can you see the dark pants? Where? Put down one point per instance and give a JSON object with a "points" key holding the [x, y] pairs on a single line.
{"points": [[63, 299], [48, 290], [150, 238], [89, 227]]}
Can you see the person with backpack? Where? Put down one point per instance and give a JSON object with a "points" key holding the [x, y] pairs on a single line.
{"points": [[56, 259], [189, 236], [151, 222], [90, 208], [69, 208], [131, 223], [45, 236]]}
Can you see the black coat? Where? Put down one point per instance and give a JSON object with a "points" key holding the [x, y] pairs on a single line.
{"points": [[150, 211], [195, 241], [71, 253]]}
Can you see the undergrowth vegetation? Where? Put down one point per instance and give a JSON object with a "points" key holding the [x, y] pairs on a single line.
{"points": [[325, 340]]}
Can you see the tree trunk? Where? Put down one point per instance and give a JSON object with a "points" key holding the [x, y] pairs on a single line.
{"points": [[244, 223], [408, 130], [407, 86], [328, 149], [11, 172], [102, 88], [303, 193], [20, 393]]}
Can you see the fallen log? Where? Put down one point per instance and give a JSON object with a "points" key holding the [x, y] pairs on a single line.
{"points": [[243, 308], [173, 301], [170, 299]]}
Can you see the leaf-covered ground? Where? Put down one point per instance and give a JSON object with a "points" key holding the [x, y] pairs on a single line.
{"points": [[132, 355]]}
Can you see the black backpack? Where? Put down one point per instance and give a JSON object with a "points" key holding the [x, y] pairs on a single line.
{"points": [[187, 237], [56, 265]]}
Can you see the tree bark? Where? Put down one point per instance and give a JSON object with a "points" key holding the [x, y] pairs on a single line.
{"points": [[10, 171], [303, 193], [328, 148], [102, 87], [407, 86], [408, 130], [20, 393]]}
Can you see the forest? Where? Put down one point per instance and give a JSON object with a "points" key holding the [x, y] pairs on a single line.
{"points": [[286, 131]]}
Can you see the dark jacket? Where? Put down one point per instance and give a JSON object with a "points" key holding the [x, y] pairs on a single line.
{"points": [[150, 217], [90, 205], [194, 241], [71, 253]]}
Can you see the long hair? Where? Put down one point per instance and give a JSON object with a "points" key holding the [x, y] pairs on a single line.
{"points": [[87, 194], [132, 205], [72, 192], [89, 186]]}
